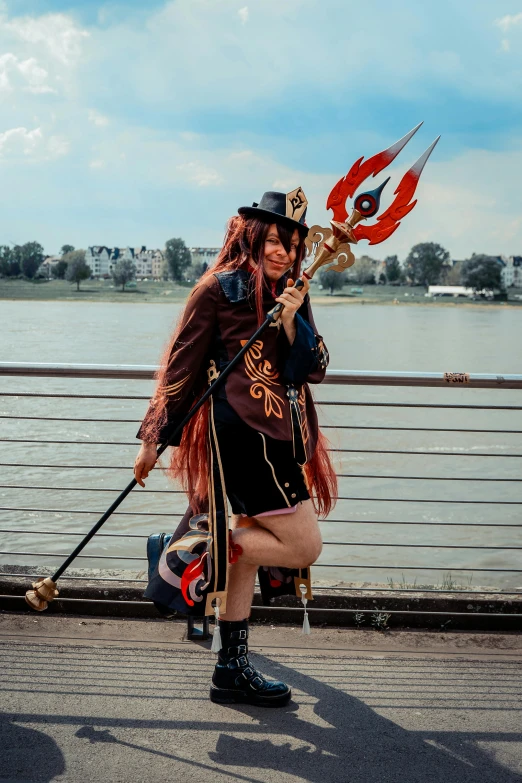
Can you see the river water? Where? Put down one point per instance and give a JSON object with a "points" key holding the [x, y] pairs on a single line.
{"points": [[368, 529]]}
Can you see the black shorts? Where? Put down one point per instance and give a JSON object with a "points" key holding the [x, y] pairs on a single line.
{"points": [[261, 473]]}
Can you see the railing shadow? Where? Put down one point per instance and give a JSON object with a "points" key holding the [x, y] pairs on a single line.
{"points": [[344, 741], [359, 745]]}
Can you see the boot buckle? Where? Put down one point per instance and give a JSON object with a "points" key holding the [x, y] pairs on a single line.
{"points": [[245, 675], [242, 634], [257, 683]]}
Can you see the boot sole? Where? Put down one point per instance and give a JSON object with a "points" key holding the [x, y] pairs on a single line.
{"points": [[229, 696]]}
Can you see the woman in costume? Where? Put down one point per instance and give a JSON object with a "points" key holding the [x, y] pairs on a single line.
{"points": [[256, 440]]}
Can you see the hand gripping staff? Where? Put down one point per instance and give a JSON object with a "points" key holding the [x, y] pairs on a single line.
{"points": [[327, 246]]}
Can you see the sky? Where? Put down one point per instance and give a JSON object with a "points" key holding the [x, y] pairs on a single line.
{"points": [[128, 123]]}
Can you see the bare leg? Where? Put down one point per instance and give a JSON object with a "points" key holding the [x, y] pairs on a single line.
{"points": [[241, 580], [288, 540]]}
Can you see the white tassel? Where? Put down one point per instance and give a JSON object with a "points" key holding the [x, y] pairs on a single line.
{"points": [[216, 637], [306, 623]]}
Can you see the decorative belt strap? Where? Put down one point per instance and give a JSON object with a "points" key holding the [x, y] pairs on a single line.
{"points": [[297, 431], [218, 516]]}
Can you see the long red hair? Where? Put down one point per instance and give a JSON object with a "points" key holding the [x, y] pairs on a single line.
{"points": [[244, 243]]}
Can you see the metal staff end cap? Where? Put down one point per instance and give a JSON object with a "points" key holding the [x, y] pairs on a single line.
{"points": [[42, 593]]}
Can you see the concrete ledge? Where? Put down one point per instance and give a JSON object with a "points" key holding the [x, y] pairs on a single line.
{"points": [[368, 610]]}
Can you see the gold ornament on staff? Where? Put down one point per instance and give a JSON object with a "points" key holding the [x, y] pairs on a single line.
{"points": [[43, 591], [332, 245]]}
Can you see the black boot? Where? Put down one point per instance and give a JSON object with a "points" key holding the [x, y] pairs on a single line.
{"points": [[235, 679]]}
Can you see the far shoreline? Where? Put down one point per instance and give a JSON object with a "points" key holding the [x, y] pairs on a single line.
{"points": [[154, 292]]}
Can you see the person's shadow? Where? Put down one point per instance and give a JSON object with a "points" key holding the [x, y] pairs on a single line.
{"points": [[358, 745], [27, 754]]}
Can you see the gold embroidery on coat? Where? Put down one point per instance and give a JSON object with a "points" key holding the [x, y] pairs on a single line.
{"points": [[263, 376], [212, 372], [174, 388], [303, 419]]}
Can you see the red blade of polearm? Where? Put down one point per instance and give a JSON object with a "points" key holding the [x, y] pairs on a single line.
{"points": [[359, 172], [402, 204]]}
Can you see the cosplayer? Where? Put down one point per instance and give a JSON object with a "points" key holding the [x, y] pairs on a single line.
{"points": [[232, 396], [257, 437]]}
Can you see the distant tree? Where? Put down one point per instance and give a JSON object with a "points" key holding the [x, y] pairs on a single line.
{"points": [[363, 271], [333, 281], [178, 258], [59, 269], [9, 264], [200, 267], [30, 256], [77, 267], [426, 262], [123, 272], [66, 249], [453, 275], [393, 269], [164, 270], [195, 270], [481, 271]]}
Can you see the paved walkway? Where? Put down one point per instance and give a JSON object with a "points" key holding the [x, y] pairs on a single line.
{"points": [[87, 699]]}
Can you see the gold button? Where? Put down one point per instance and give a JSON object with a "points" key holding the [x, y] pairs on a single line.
{"points": [[287, 484], [293, 495]]}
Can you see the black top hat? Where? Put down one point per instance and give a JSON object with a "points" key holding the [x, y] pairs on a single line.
{"points": [[288, 209]]}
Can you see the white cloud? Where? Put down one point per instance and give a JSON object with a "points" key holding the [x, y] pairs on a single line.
{"points": [[36, 76], [202, 175], [97, 119], [97, 164], [6, 64], [19, 140], [505, 45], [243, 14], [32, 146], [507, 22], [58, 34], [26, 74]]}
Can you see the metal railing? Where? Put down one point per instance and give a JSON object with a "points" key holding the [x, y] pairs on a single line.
{"points": [[499, 557]]}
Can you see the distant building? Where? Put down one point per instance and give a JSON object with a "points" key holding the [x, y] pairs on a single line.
{"points": [[102, 260], [46, 267], [450, 290], [461, 291], [149, 263], [511, 271], [206, 255]]}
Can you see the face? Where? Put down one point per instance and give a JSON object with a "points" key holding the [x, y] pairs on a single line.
{"points": [[277, 261]]}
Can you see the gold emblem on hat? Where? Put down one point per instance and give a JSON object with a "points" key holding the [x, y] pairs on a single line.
{"points": [[296, 204]]}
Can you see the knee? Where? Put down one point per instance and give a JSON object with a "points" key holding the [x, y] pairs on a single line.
{"points": [[308, 552]]}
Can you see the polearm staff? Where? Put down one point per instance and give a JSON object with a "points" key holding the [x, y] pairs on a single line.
{"points": [[332, 246]]}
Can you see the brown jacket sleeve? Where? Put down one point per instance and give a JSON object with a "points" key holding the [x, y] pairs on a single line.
{"points": [[308, 357], [186, 366]]}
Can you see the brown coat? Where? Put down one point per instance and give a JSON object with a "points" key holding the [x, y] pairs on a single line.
{"points": [[219, 317]]}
